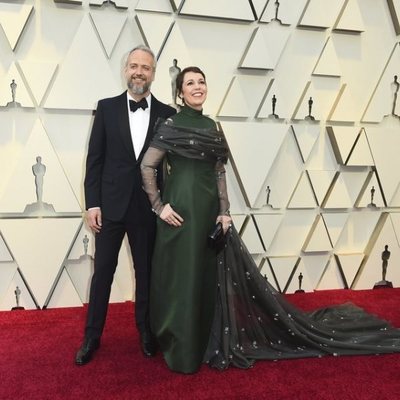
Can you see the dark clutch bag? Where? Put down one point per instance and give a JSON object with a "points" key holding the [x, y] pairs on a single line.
{"points": [[216, 237]]}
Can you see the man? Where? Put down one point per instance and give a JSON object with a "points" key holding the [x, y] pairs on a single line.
{"points": [[115, 201]]}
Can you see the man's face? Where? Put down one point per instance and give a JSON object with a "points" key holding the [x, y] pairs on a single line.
{"points": [[139, 73]]}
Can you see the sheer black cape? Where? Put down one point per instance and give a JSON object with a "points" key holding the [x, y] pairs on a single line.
{"points": [[254, 321], [198, 143]]}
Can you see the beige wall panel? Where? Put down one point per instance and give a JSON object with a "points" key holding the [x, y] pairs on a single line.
{"points": [[16, 127], [13, 18], [306, 136], [347, 188], [321, 14], [155, 37], [321, 181], [109, 24], [385, 142], [65, 294], [38, 252], [244, 96], [69, 135], [239, 9], [331, 278], [56, 188], [283, 268], [350, 264], [384, 98], [253, 148], [318, 239], [8, 270], [335, 223], [292, 233], [67, 56], [235, 195], [351, 19], [22, 95], [212, 52], [8, 298], [366, 196], [303, 196], [372, 270], [251, 238], [265, 47], [289, 11], [288, 163], [268, 224], [322, 157], [38, 75], [356, 234], [154, 5], [328, 63], [84, 75]]}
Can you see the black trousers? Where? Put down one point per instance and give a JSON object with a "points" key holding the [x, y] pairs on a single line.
{"points": [[140, 230]]}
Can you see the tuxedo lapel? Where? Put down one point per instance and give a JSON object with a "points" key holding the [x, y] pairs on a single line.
{"points": [[123, 122], [154, 112]]}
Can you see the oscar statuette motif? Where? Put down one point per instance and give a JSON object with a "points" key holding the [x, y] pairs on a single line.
{"points": [[384, 284], [17, 293]]}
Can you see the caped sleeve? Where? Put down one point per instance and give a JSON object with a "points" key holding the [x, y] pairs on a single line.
{"points": [[220, 174], [148, 167]]}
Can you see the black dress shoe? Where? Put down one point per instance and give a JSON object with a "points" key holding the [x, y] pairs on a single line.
{"points": [[85, 353], [148, 344]]}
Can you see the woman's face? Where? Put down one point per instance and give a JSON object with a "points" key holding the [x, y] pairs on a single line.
{"points": [[194, 90]]}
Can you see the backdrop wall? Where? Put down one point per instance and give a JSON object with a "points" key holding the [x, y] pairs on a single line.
{"points": [[305, 91]]}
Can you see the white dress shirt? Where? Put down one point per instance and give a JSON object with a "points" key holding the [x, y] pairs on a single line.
{"points": [[139, 123]]}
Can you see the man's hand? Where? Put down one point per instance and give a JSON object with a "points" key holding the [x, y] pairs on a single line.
{"points": [[93, 218]]}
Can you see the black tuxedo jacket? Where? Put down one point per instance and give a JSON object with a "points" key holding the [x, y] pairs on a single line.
{"points": [[113, 177]]}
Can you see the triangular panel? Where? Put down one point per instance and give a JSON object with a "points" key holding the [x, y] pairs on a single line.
{"points": [[306, 137], [350, 19], [253, 147], [321, 14], [155, 38], [21, 93], [56, 190], [335, 223], [321, 182], [331, 278], [328, 63], [303, 196], [346, 189], [108, 26], [226, 9], [372, 272], [268, 224], [161, 6], [38, 75], [38, 252], [382, 101], [265, 47], [243, 97], [13, 18], [76, 87], [318, 239]]}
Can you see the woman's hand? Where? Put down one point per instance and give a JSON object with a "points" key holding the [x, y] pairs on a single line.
{"points": [[171, 217], [226, 222]]}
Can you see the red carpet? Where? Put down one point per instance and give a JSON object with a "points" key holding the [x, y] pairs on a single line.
{"points": [[37, 350]]}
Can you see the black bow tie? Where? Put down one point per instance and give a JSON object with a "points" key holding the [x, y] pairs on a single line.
{"points": [[133, 105]]}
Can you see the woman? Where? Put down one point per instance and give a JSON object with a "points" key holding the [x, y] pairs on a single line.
{"points": [[218, 308]]}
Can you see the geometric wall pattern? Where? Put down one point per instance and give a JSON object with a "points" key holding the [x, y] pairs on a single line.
{"points": [[306, 93]]}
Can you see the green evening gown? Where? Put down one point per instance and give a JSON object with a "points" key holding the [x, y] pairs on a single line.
{"points": [[219, 308], [182, 299]]}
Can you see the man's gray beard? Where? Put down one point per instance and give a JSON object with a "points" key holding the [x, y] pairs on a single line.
{"points": [[138, 89]]}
